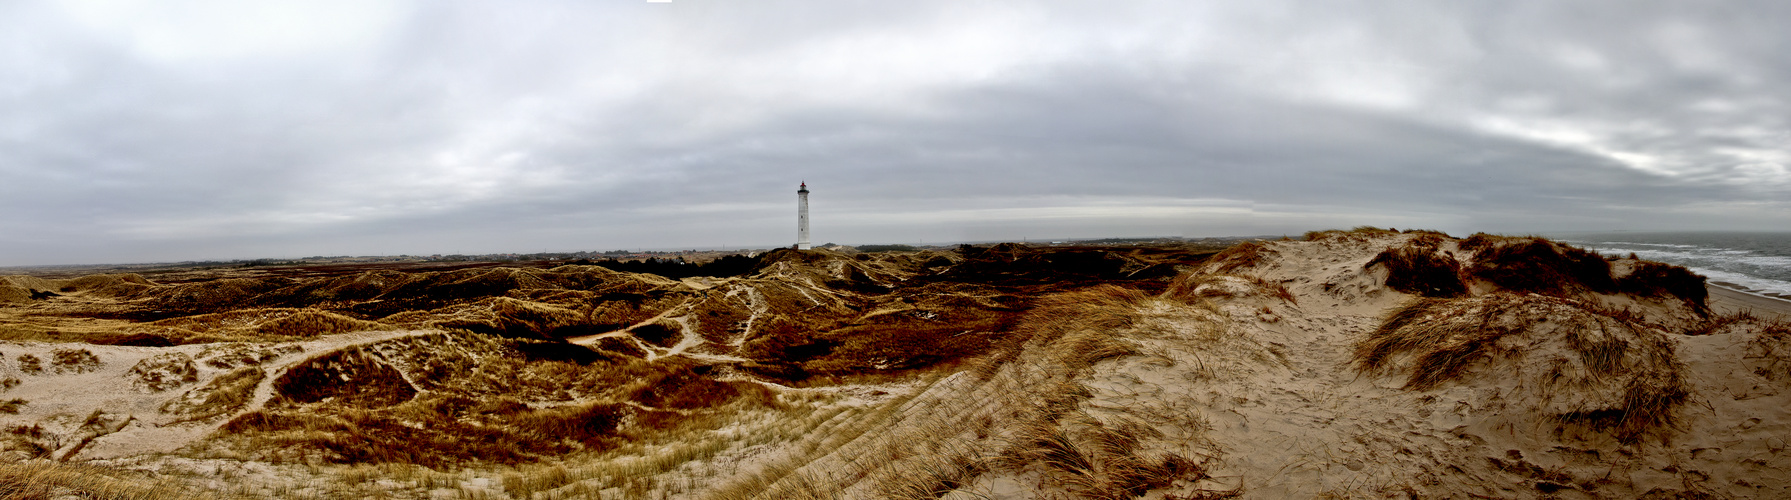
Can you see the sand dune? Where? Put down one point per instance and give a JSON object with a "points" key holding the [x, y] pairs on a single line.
{"points": [[1351, 364]]}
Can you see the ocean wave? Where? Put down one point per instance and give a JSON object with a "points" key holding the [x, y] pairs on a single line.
{"points": [[1728, 256], [1745, 281], [1669, 245]]}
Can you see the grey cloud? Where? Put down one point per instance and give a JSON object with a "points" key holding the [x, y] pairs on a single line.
{"points": [[482, 127]]}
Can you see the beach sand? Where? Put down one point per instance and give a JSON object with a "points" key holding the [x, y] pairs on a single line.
{"points": [[1726, 299]]}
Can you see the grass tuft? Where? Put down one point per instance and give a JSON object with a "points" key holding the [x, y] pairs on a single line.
{"points": [[45, 479]]}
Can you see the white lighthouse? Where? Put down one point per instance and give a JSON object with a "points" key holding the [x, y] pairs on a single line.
{"points": [[802, 217]]}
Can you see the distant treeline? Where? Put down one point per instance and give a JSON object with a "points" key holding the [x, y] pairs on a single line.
{"points": [[677, 268]]}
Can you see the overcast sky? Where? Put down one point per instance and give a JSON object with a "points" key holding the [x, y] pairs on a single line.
{"points": [[137, 131]]}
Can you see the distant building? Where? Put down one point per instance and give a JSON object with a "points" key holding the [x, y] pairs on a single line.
{"points": [[802, 217]]}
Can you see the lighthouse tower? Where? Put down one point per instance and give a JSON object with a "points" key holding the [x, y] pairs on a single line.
{"points": [[802, 217]]}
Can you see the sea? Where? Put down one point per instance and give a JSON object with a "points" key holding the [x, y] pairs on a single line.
{"points": [[1760, 262]]}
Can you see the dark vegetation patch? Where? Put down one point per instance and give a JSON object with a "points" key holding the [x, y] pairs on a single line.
{"points": [[353, 376], [1537, 265], [1654, 279], [1012, 264], [134, 339], [1419, 270], [535, 350], [783, 341], [662, 334], [907, 341], [688, 386], [886, 248], [677, 268]]}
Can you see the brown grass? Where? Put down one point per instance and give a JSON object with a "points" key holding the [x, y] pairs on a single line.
{"points": [[1241, 256], [44, 479]]}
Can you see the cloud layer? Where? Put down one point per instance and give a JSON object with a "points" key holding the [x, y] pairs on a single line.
{"points": [[139, 131]]}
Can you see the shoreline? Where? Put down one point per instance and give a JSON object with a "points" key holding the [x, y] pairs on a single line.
{"points": [[1730, 298]]}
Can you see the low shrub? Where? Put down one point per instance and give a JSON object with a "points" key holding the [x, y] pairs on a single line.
{"points": [[1654, 279], [1537, 265], [1420, 271]]}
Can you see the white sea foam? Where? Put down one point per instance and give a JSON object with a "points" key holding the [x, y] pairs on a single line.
{"points": [[1741, 267], [1668, 245], [1745, 281]]}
